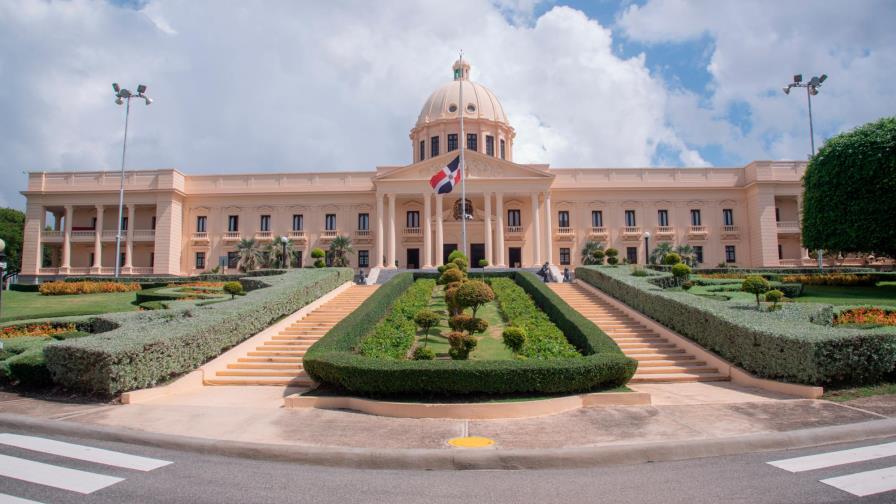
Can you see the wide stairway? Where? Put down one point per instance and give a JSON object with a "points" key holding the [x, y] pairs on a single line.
{"points": [[659, 360], [278, 361]]}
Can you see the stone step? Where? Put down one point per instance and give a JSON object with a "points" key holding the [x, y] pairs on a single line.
{"points": [[646, 346], [294, 360], [287, 343], [261, 365], [647, 358], [676, 369], [282, 348], [261, 380], [677, 378], [684, 361], [274, 353], [255, 372]]}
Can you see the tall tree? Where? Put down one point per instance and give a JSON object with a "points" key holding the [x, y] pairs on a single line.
{"points": [[657, 255], [12, 231], [251, 254], [848, 203], [588, 251], [340, 247]]}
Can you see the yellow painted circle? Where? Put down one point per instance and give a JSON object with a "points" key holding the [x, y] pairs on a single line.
{"points": [[471, 442]]}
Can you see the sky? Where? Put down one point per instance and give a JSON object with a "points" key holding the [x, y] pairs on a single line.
{"points": [[285, 85]]}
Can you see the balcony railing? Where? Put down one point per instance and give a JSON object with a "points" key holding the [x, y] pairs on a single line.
{"points": [[363, 233], [264, 235], [142, 270], [144, 234], [631, 230], [109, 234], [514, 230], [412, 231], [788, 226], [48, 271], [566, 230], [79, 271], [296, 235], [697, 230], [599, 232], [665, 231], [329, 234], [200, 236], [83, 235], [52, 235], [730, 230], [231, 235]]}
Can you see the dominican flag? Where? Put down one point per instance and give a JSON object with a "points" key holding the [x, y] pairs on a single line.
{"points": [[445, 180]]}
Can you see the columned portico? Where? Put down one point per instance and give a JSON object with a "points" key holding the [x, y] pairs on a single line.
{"points": [[380, 237], [536, 230], [392, 238], [488, 229], [440, 231], [427, 231], [67, 240], [97, 265], [129, 250], [548, 233], [499, 215]]}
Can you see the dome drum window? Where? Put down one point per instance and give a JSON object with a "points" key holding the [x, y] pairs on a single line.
{"points": [[471, 108], [452, 108]]}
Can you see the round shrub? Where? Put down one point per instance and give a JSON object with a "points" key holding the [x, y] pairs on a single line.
{"points": [[755, 284], [461, 345], [774, 297], [461, 263], [441, 268], [424, 353], [234, 289], [611, 252], [318, 253], [459, 322], [474, 294], [319, 263], [448, 266], [476, 326], [483, 263], [687, 285], [425, 320], [612, 260], [455, 254], [598, 256], [451, 275], [514, 338], [671, 258], [681, 270]]}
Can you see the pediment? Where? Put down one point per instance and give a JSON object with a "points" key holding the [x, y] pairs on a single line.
{"points": [[478, 165]]}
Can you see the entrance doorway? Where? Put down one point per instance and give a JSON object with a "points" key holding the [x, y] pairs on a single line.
{"points": [[477, 253], [447, 249], [413, 259], [516, 257]]}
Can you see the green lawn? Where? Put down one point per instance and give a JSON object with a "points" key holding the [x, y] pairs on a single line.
{"points": [[31, 305], [490, 346], [883, 294], [848, 394]]}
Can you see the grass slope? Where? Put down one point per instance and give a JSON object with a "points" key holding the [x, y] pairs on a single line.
{"points": [[31, 305]]}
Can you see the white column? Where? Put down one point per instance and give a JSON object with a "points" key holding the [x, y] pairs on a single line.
{"points": [[129, 250], [427, 230], [536, 228], [391, 254], [488, 229], [98, 240], [440, 236], [67, 240], [380, 237], [549, 237], [499, 224]]}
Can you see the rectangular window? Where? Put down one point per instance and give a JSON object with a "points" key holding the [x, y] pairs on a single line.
{"points": [[490, 145], [233, 223], [298, 222], [728, 216], [777, 214], [630, 218], [730, 256], [121, 259], [452, 142], [152, 223], [503, 150], [564, 256], [200, 260], [233, 259], [124, 223], [631, 254], [201, 221], [330, 222], [563, 218], [695, 217], [434, 146], [662, 218], [597, 218], [780, 252], [513, 218], [413, 219], [297, 258], [698, 253], [422, 150], [472, 141], [363, 222], [265, 224], [363, 258]]}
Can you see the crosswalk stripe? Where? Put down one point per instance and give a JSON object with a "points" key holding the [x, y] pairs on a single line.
{"points": [[830, 459], [58, 477], [865, 483], [85, 453], [9, 499]]}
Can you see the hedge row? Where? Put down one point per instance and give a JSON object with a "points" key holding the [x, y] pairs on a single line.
{"points": [[795, 343], [332, 359], [544, 340], [393, 336], [151, 347]]}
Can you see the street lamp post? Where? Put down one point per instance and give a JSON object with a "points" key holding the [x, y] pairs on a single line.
{"points": [[2, 271], [646, 248], [123, 96], [811, 90], [283, 260]]}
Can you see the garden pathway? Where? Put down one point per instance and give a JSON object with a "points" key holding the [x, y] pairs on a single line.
{"points": [[659, 360], [278, 361]]}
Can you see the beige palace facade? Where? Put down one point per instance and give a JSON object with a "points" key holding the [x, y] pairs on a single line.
{"points": [[523, 215]]}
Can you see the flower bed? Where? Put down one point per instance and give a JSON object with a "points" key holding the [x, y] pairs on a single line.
{"points": [[795, 343], [544, 340], [393, 336], [866, 316], [838, 279], [86, 287], [334, 359], [36, 329]]}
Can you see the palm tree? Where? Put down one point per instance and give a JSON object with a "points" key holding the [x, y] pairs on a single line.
{"points": [[657, 255], [588, 252], [340, 247], [274, 252], [688, 254], [251, 256]]}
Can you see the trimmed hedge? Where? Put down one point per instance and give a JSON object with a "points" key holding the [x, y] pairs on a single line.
{"points": [[544, 340], [151, 347], [393, 337], [24, 287], [794, 343], [333, 359]]}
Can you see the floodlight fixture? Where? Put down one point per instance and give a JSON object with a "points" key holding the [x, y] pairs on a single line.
{"points": [[797, 78], [141, 88]]}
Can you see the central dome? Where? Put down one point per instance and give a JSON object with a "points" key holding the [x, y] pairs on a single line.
{"points": [[479, 101]]}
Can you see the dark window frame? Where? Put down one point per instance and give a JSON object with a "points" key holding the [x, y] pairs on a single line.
{"points": [[514, 217], [298, 222], [364, 222], [631, 218], [473, 141], [264, 222], [728, 216], [597, 218], [696, 217], [422, 152], [200, 260], [412, 219], [490, 145], [330, 222], [503, 149], [662, 217], [452, 142], [698, 253], [433, 146], [363, 258], [563, 218], [565, 256], [730, 254], [233, 223], [201, 223]]}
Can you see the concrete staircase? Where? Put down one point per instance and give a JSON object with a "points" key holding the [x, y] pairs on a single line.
{"points": [[278, 361], [659, 360]]}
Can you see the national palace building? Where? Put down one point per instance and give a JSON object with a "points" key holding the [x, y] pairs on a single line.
{"points": [[523, 215]]}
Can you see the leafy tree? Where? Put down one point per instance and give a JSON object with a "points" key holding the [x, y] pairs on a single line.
{"points": [[756, 285], [848, 202], [474, 294], [514, 338], [341, 247], [12, 230], [451, 276], [671, 259], [251, 255], [688, 254], [658, 255], [681, 270], [774, 297], [234, 289], [274, 252], [592, 253], [426, 320], [461, 344]]}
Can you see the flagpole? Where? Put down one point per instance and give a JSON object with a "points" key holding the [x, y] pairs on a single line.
{"points": [[463, 167]]}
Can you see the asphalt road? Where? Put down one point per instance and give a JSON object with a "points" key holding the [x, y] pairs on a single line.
{"points": [[194, 478]]}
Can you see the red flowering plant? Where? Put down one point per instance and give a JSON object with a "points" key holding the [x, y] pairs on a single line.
{"points": [[866, 316], [36, 329]]}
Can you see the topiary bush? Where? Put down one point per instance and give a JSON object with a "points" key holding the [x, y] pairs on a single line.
{"points": [[756, 285], [461, 344], [451, 276], [28, 368], [671, 259], [459, 322], [483, 263], [426, 320], [318, 253], [474, 294], [681, 271], [774, 297], [319, 263], [514, 338], [424, 353], [234, 289]]}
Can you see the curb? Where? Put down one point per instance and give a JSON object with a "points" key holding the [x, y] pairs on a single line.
{"points": [[455, 459]]}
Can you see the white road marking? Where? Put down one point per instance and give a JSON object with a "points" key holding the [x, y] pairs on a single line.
{"points": [[865, 483], [830, 459], [58, 477], [84, 453], [9, 499]]}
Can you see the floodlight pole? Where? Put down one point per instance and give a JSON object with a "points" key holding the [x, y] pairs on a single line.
{"points": [[124, 150]]}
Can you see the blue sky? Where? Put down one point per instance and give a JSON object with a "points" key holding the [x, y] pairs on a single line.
{"points": [[322, 86]]}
